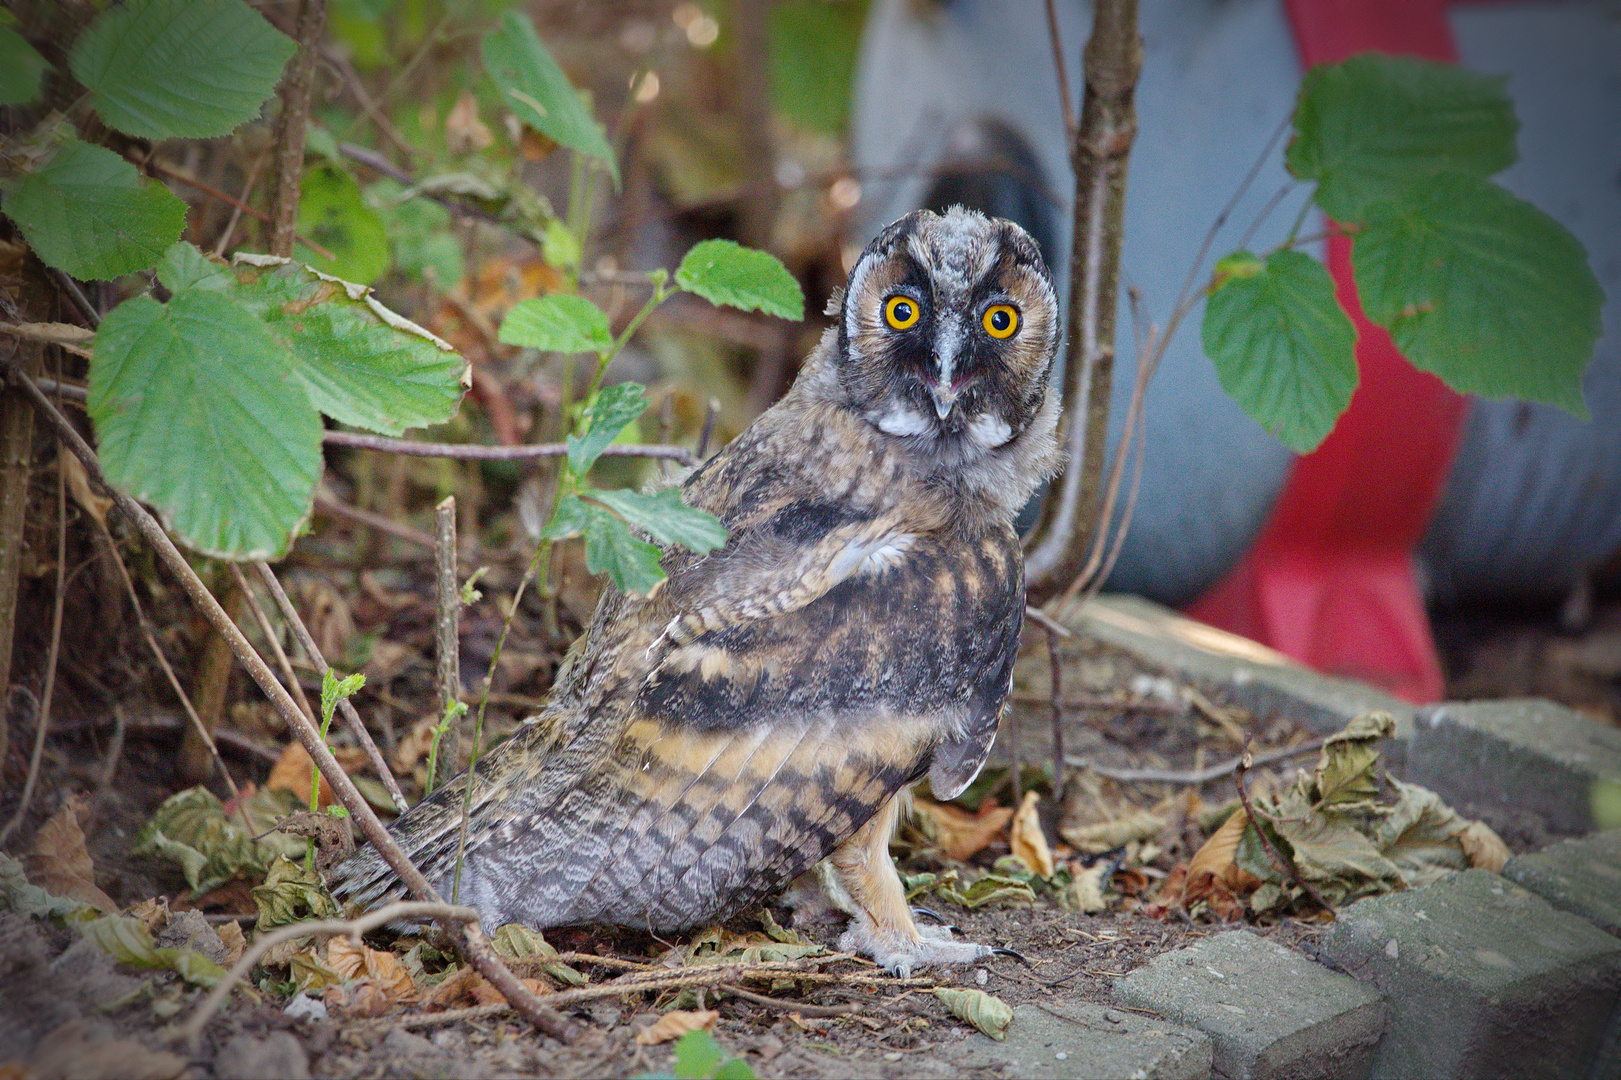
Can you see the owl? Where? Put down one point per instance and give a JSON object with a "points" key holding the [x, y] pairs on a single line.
{"points": [[762, 709]]}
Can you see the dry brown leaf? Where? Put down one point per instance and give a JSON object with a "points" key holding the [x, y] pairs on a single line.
{"points": [[1484, 847], [65, 1055], [231, 937], [453, 990], [1213, 874], [294, 768], [1027, 840], [361, 1000], [1103, 836], [486, 994], [675, 1023], [1088, 887], [89, 501], [60, 864], [962, 834], [153, 913], [411, 752], [383, 968], [464, 131]]}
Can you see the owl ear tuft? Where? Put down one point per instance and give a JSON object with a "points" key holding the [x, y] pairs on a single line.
{"points": [[835, 301]]}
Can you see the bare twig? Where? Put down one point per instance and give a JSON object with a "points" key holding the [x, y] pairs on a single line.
{"points": [[707, 432], [1046, 622], [1194, 776], [472, 941], [800, 1007], [1283, 860], [69, 337], [288, 675], [1055, 667], [236, 212], [1100, 152], [38, 755], [351, 718], [236, 204], [191, 1031], [1061, 67], [448, 606], [327, 504], [467, 451], [291, 124]]}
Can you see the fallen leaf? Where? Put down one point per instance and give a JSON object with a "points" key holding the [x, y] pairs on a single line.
{"points": [[1087, 887], [962, 834], [486, 994], [361, 1000], [987, 1012], [1027, 840], [153, 913], [675, 1023], [232, 938], [1484, 847], [293, 770], [60, 864], [464, 131], [381, 967], [1214, 868], [1103, 836], [453, 990]]}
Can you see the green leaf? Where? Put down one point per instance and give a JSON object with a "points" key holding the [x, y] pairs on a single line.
{"points": [[665, 517], [21, 68], [89, 213], [163, 69], [726, 273], [1483, 290], [539, 93], [333, 213], [558, 322], [1376, 127], [697, 1056], [191, 829], [360, 363], [334, 690], [184, 267], [127, 940], [568, 519], [199, 413], [291, 893], [1282, 347], [610, 549], [615, 406]]}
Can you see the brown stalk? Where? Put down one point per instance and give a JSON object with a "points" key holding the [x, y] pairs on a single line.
{"points": [[1277, 853], [470, 452], [448, 607], [291, 125], [473, 944], [1100, 150]]}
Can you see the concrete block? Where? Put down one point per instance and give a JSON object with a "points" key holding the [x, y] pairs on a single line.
{"points": [[1270, 1011], [1255, 677], [1582, 877], [1523, 753], [1060, 1040], [1484, 979]]}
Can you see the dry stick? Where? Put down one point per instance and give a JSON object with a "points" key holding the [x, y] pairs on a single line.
{"points": [[1099, 151], [38, 756], [351, 718], [468, 451], [288, 676], [237, 205], [1195, 776], [327, 504], [707, 432], [448, 599], [291, 126], [151, 636], [1056, 668], [799, 1007], [1272, 849], [474, 945], [236, 211], [191, 1031], [69, 337]]}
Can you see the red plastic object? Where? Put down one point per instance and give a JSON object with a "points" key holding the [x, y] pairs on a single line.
{"points": [[1330, 579]]}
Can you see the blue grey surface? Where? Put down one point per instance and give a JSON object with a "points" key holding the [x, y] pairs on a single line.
{"points": [[1534, 495]]}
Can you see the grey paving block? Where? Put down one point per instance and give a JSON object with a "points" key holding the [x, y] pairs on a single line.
{"points": [[1523, 753], [1255, 677], [1580, 876], [1062, 1040], [1270, 1011], [1484, 979]]}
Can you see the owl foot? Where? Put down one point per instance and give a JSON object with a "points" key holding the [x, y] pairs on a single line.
{"points": [[900, 953]]}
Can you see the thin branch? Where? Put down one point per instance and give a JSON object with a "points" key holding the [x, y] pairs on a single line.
{"points": [[232, 201], [288, 676], [1194, 776], [1071, 125], [191, 1031], [69, 337], [472, 941], [37, 757], [800, 1007], [465, 451], [291, 125], [327, 504], [448, 606]]}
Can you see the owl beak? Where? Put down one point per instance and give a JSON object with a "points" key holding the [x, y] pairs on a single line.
{"points": [[944, 399]]}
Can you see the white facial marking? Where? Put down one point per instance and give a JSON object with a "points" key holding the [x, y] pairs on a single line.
{"points": [[900, 420], [989, 431]]}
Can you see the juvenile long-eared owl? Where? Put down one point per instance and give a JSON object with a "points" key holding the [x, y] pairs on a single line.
{"points": [[759, 712]]}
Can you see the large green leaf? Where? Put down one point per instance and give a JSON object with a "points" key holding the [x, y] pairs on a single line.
{"points": [[615, 407], [726, 273], [332, 212], [558, 322], [361, 363], [665, 517], [199, 413], [1482, 289], [1375, 127], [163, 69], [21, 68], [610, 549], [540, 94], [89, 213], [1282, 347]]}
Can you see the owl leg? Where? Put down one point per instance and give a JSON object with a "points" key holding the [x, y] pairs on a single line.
{"points": [[881, 924]]}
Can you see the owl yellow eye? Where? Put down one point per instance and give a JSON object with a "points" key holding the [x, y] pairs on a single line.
{"points": [[1000, 320], [900, 312]]}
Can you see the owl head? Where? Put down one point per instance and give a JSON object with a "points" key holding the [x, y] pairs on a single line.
{"points": [[948, 328]]}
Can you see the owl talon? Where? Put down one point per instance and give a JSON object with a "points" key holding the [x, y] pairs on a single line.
{"points": [[929, 913], [1019, 956]]}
